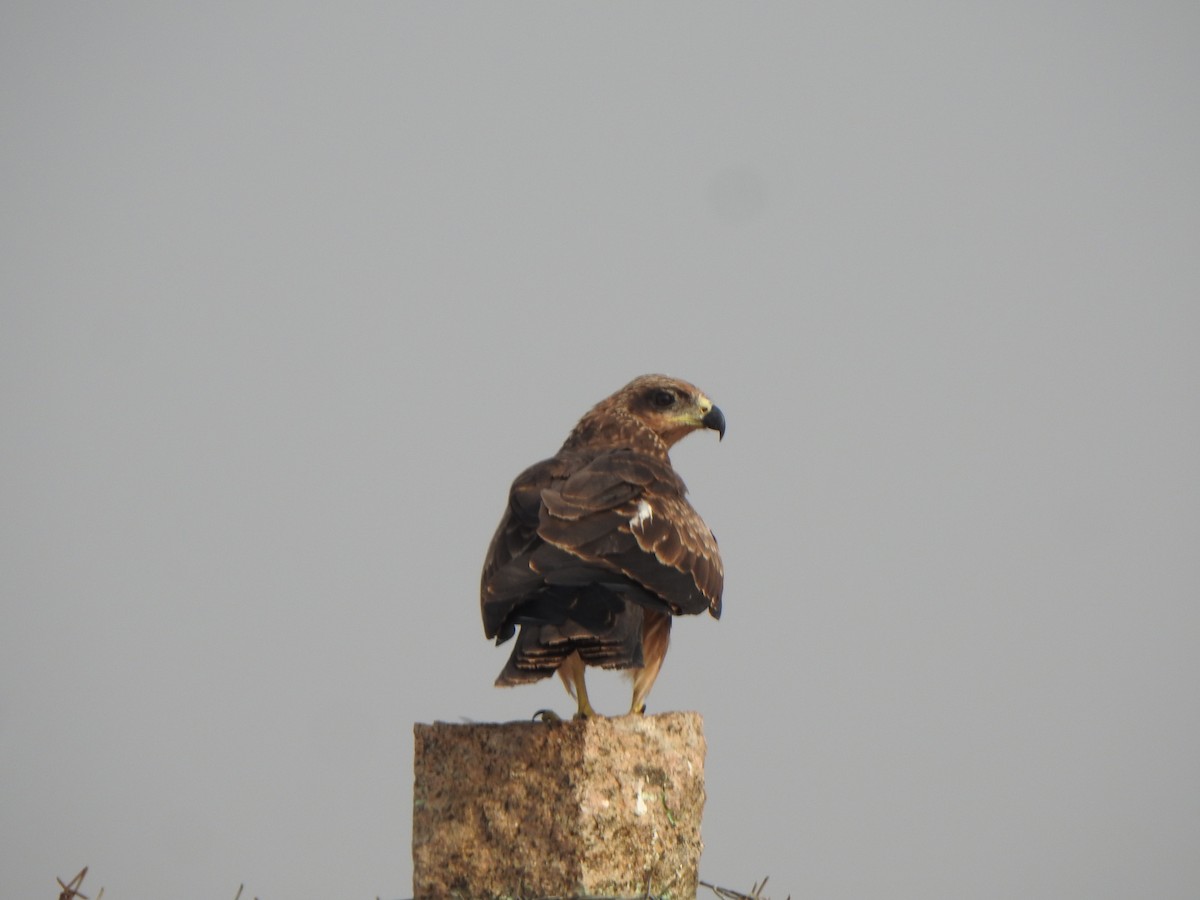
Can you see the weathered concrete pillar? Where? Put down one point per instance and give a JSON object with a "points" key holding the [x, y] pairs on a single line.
{"points": [[600, 807]]}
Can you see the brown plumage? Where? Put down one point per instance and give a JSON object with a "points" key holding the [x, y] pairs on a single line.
{"points": [[599, 547]]}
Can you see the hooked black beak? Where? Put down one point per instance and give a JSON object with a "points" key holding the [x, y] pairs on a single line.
{"points": [[715, 419]]}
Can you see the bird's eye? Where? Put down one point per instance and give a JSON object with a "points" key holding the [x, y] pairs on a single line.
{"points": [[663, 398]]}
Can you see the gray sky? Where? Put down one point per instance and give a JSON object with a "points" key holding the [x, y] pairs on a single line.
{"points": [[289, 297]]}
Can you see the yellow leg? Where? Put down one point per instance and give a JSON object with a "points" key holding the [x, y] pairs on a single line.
{"points": [[585, 707], [642, 681], [656, 635], [572, 672]]}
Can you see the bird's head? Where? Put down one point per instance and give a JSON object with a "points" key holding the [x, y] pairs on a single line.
{"points": [[669, 407]]}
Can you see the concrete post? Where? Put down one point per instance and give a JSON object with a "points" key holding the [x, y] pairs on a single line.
{"points": [[599, 807]]}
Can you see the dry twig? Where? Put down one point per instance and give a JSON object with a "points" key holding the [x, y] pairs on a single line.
{"points": [[756, 891], [70, 891]]}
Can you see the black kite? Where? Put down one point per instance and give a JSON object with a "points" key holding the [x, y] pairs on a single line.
{"points": [[599, 547]]}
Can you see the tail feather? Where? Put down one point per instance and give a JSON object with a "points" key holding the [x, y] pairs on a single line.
{"points": [[604, 630]]}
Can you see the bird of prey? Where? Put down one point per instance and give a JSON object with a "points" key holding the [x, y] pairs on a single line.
{"points": [[599, 547]]}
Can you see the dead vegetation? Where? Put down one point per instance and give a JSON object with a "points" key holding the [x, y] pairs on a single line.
{"points": [[756, 892], [72, 890]]}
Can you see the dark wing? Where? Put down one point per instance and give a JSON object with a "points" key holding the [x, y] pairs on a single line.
{"points": [[516, 538], [573, 605], [627, 512], [526, 579]]}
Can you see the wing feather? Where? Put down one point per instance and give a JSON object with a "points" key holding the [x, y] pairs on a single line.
{"points": [[584, 537], [621, 495]]}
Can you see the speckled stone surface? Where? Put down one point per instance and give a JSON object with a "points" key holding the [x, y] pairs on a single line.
{"points": [[530, 809]]}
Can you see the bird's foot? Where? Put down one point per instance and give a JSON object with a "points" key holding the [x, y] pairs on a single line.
{"points": [[549, 715]]}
